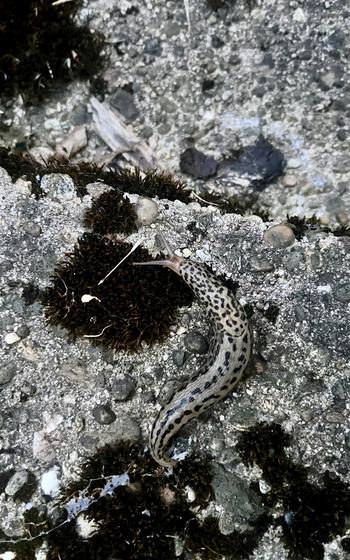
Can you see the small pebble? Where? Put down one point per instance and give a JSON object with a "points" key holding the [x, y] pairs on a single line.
{"points": [[7, 372], [153, 47], [58, 187], [146, 211], [342, 293], [123, 387], [335, 418], [186, 253], [341, 134], [299, 313], [23, 331], [28, 389], [293, 163], [342, 217], [196, 343], [227, 523], [123, 101], [179, 357], [279, 236], [32, 229], [11, 338], [16, 482], [299, 15], [261, 265], [103, 414], [289, 181]]}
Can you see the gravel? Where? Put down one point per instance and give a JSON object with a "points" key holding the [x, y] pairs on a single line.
{"points": [[281, 70]]}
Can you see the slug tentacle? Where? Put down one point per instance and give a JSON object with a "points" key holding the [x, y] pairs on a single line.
{"points": [[173, 263], [228, 357]]}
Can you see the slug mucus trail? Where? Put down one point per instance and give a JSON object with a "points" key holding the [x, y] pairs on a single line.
{"points": [[228, 356]]}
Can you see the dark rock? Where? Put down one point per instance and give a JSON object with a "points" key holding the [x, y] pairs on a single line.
{"points": [[123, 387], [235, 60], [340, 120], [179, 357], [235, 496], [103, 414], [342, 293], [341, 134], [153, 47], [28, 389], [164, 128], [337, 39], [259, 91], [268, 60], [260, 162], [305, 55], [217, 43], [207, 85], [80, 115], [23, 331], [299, 313], [196, 343], [123, 101], [195, 163], [7, 372]]}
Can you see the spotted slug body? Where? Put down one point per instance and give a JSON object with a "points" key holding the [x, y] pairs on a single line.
{"points": [[228, 357]]}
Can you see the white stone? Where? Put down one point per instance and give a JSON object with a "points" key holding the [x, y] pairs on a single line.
{"points": [[12, 338], [299, 15], [50, 484], [190, 494], [146, 211], [187, 253], [8, 555]]}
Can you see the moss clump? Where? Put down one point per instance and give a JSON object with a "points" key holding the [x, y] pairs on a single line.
{"points": [[134, 304], [313, 515], [151, 183], [111, 213], [42, 46], [301, 226], [142, 520]]}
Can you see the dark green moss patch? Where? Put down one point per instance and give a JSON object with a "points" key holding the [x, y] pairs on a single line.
{"points": [[134, 305], [301, 226], [111, 213], [142, 520], [41, 46], [151, 183], [313, 515], [206, 539]]}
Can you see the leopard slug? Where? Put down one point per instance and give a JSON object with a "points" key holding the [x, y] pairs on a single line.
{"points": [[228, 356]]}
